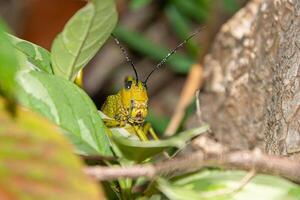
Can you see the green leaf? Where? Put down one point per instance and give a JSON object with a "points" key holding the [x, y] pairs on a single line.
{"points": [[36, 162], [38, 56], [8, 64], [218, 185], [139, 151], [68, 106], [82, 37], [137, 4]]}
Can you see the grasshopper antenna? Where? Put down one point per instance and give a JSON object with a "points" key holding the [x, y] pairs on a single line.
{"points": [[127, 57], [164, 60]]}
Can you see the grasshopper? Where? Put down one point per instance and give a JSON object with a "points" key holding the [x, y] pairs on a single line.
{"points": [[129, 107]]}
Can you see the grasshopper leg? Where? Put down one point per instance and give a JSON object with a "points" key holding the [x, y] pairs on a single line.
{"points": [[149, 130], [141, 134]]}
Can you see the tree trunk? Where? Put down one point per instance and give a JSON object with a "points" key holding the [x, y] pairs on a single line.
{"points": [[252, 93]]}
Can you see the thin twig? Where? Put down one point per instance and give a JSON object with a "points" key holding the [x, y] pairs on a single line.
{"points": [[113, 173], [217, 156]]}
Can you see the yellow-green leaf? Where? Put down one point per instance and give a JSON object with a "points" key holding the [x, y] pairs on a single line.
{"points": [[82, 37], [8, 64], [36, 55], [36, 162], [139, 151], [220, 185], [68, 106]]}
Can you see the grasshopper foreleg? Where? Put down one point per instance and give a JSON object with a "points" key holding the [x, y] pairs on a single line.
{"points": [[149, 130]]}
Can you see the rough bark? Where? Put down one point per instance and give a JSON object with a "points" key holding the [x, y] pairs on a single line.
{"points": [[252, 93]]}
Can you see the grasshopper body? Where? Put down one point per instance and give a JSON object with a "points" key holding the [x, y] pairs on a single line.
{"points": [[129, 107]]}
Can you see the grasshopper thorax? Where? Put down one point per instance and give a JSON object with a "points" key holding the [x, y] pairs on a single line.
{"points": [[134, 100]]}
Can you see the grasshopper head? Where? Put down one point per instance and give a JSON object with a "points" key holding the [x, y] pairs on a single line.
{"points": [[133, 95], [135, 100]]}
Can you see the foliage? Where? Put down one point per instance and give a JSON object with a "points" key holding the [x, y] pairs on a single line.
{"points": [[37, 164], [68, 106], [34, 54], [221, 185], [8, 65], [140, 151], [44, 84], [58, 99], [82, 37]]}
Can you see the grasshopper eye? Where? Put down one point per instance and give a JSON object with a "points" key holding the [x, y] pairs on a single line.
{"points": [[128, 85]]}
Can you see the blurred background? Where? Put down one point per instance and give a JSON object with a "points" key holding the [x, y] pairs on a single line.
{"points": [[148, 29]]}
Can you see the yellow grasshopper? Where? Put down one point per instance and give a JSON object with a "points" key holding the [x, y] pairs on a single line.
{"points": [[129, 107]]}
